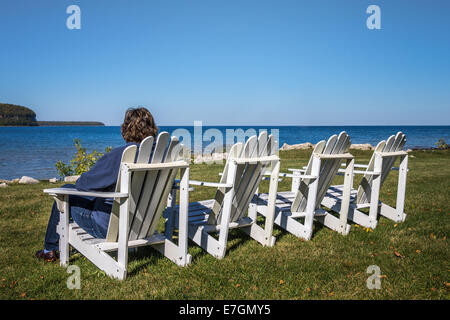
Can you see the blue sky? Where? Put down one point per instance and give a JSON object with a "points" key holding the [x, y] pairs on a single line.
{"points": [[247, 62]]}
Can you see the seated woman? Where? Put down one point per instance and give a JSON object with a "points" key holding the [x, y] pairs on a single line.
{"points": [[90, 213]]}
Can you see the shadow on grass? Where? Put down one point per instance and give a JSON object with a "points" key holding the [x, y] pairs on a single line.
{"points": [[141, 258], [235, 237]]}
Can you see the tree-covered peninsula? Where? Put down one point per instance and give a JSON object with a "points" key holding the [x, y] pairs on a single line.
{"points": [[15, 115]]}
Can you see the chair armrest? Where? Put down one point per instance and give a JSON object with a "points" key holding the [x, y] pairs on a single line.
{"points": [[156, 166], [373, 173], [393, 154], [357, 165], [298, 170], [334, 156], [75, 192], [256, 160], [303, 176], [210, 184]]}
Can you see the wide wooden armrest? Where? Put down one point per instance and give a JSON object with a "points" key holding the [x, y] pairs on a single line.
{"points": [[393, 154], [334, 156], [156, 166], [298, 170], [209, 184], [75, 192], [295, 175], [256, 160], [356, 165], [372, 173]]}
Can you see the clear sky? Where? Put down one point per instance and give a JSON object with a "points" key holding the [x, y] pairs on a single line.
{"points": [[246, 62]]}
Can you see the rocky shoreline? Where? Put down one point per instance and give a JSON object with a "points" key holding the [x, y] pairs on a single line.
{"points": [[308, 145], [301, 146], [360, 146], [29, 180]]}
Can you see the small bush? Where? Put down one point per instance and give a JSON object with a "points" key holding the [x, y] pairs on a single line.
{"points": [[441, 144], [81, 163]]}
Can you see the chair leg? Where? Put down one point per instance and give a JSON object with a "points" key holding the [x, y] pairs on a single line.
{"points": [[401, 190], [313, 190], [375, 189], [271, 204], [343, 227], [63, 228], [183, 216], [122, 251], [264, 236]]}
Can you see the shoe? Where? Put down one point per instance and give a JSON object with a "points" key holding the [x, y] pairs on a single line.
{"points": [[49, 256]]}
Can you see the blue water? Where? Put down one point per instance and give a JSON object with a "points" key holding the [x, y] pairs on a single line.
{"points": [[33, 151]]}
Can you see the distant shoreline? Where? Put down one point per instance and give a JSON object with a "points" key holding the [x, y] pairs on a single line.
{"points": [[70, 123], [12, 115], [61, 124]]}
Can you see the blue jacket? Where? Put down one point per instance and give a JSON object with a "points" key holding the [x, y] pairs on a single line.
{"points": [[103, 174], [103, 177]]}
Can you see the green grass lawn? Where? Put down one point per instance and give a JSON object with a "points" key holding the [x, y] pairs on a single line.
{"points": [[413, 256]]}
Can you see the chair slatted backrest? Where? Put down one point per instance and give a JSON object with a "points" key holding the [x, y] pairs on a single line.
{"points": [[148, 189], [393, 144], [248, 175], [328, 169]]}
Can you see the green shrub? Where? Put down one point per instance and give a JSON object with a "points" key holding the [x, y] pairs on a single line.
{"points": [[81, 163], [441, 144]]}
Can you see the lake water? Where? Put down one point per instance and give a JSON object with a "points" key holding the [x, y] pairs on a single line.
{"points": [[33, 151]]}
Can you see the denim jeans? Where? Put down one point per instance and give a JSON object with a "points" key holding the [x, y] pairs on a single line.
{"points": [[91, 214]]}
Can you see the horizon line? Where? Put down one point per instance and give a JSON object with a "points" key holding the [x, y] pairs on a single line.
{"points": [[305, 125]]}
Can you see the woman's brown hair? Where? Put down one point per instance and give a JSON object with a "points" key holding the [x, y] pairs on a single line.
{"points": [[138, 124]]}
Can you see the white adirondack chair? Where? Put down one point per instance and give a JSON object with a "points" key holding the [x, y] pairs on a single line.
{"points": [[141, 196], [243, 172], [368, 192], [309, 186]]}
